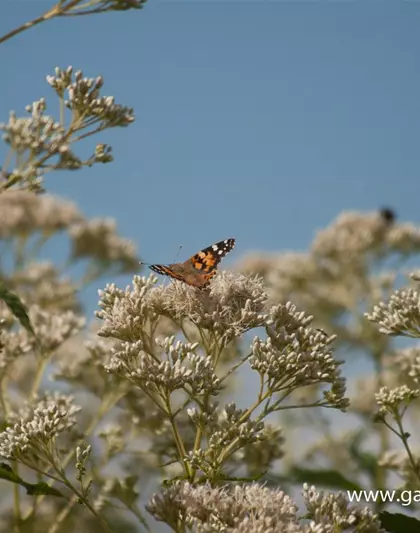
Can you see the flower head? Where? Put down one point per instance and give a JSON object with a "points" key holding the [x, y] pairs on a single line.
{"points": [[23, 213], [99, 240], [35, 427], [400, 315], [223, 509]]}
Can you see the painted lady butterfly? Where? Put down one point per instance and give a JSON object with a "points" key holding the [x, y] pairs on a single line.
{"points": [[198, 270]]}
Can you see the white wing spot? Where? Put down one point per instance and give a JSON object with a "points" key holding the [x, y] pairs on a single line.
{"points": [[220, 252], [214, 247]]}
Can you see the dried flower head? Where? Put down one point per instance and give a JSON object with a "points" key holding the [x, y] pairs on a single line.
{"points": [[407, 361], [40, 283], [182, 368], [339, 276], [14, 344], [126, 314], [52, 329], [335, 510], [83, 98], [226, 433], [234, 304], [260, 455], [37, 132], [400, 315], [223, 509], [294, 355], [33, 430], [404, 239], [23, 213], [42, 144], [98, 239], [352, 236], [390, 401]]}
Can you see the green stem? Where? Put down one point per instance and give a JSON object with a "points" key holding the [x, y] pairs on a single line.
{"points": [[3, 397], [178, 440], [16, 505], [380, 474], [86, 502], [404, 437], [59, 519], [38, 376]]}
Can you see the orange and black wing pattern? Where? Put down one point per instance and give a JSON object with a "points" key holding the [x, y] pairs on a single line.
{"points": [[208, 259], [198, 270], [166, 271]]}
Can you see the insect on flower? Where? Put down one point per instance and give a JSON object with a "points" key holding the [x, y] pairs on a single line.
{"points": [[198, 270]]}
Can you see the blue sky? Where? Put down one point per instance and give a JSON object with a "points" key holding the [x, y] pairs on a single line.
{"points": [[256, 120]]}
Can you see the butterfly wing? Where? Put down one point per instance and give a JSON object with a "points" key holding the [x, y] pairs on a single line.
{"points": [[198, 270], [208, 259], [166, 271]]}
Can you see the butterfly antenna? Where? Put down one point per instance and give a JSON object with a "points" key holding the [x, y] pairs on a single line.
{"points": [[179, 249]]}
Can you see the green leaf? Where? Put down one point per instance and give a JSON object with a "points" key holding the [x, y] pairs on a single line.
{"points": [[16, 307], [399, 523], [33, 489], [323, 477], [7, 473], [42, 488]]}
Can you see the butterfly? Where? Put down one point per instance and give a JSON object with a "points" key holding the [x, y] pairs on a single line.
{"points": [[198, 270]]}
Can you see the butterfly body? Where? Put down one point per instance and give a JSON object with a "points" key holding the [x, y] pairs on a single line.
{"points": [[198, 270]]}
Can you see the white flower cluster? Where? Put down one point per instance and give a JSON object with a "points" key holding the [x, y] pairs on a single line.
{"points": [[339, 276], [407, 361], [234, 304], [183, 368], [226, 433], [35, 427], [42, 144], [14, 344], [84, 98], [38, 132], [338, 514], [98, 239], [23, 213], [257, 509], [390, 400], [40, 283], [221, 509], [400, 315], [353, 235], [126, 314], [52, 329], [294, 355]]}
